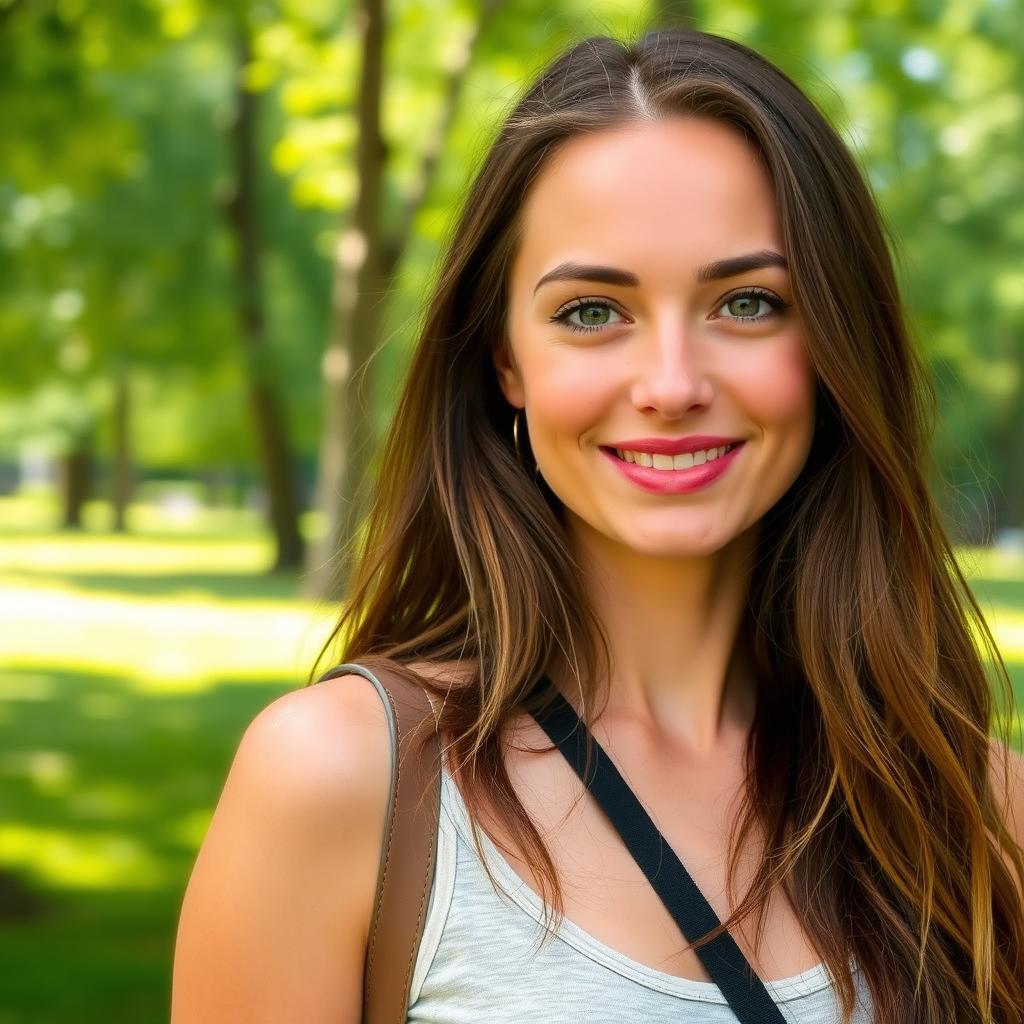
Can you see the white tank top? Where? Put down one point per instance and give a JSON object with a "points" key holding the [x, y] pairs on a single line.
{"points": [[478, 958]]}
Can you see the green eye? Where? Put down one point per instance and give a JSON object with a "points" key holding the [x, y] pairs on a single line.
{"points": [[593, 313], [592, 320], [749, 300]]}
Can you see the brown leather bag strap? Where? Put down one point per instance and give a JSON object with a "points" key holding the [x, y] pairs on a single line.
{"points": [[409, 847]]}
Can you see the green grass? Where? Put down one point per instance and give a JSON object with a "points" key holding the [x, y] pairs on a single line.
{"points": [[129, 668]]}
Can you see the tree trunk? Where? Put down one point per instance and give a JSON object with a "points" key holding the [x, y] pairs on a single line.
{"points": [[356, 312], [77, 472], [271, 430], [365, 262], [121, 476]]}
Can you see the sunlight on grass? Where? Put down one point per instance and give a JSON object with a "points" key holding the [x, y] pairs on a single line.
{"points": [[991, 564], [133, 556], [27, 687], [1006, 623], [1008, 631], [171, 509], [162, 612], [49, 770], [178, 643], [114, 658], [189, 829], [81, 861]]}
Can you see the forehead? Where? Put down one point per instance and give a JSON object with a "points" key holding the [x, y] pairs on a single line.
{"points": [[660, 198]]}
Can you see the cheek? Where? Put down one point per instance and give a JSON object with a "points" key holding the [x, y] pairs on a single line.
{"points": [[777, 385], [568, 392]]}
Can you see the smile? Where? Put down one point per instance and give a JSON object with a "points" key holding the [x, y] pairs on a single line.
{"points": [[684, 460], [670, 474]]}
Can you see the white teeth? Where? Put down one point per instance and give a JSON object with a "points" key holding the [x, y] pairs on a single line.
{"points": [[684, 460]]}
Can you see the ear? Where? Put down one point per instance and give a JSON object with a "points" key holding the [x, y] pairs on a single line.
{"points": [[509, 378]]}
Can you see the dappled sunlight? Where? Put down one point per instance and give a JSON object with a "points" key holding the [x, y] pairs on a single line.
{"points": [[160, 644], [26, 686], [169, 510], [997, 583], [133, 556], [1003, 614], [168, 614], [189, 829], [215, 385], [73, 860], [109, 786], [991, 564], [48, 770], [1008, 630]]}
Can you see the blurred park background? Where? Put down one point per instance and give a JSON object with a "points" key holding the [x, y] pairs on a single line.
{"points": [[217, 224]]}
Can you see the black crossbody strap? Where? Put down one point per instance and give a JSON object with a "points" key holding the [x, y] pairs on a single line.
{"points": [[722, 958]]}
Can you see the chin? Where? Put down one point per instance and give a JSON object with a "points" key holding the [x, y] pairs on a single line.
{"points": [[672, 544]]}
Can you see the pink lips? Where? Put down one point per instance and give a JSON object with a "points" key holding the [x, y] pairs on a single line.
{"points": [[674, 481]]}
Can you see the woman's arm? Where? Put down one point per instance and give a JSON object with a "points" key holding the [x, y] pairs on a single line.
{"points": [[276, 914]]}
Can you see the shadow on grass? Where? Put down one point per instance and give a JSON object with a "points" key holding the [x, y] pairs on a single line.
{"points": [[998, 591], [107, 795]]}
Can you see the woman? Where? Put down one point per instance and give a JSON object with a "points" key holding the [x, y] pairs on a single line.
{"points": [[663, 447]]}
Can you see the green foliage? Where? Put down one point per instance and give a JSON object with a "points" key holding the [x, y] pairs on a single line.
{"points": [[114, 251]]}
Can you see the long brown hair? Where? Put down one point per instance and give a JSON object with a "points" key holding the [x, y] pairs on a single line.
{"points": [[869, 758]]}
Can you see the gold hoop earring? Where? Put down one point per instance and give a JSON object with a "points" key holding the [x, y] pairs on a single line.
{"points": [[515, 436]]}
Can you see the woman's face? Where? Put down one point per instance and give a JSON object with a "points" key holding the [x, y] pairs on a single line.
{"points": [[657, 350]]}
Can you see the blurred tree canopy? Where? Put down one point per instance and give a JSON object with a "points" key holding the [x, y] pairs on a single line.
{"points": [[141, 317]]}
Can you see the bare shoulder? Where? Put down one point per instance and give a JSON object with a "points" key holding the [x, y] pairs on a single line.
{"points": [[318, 758], [328, 741], [275, 917]]}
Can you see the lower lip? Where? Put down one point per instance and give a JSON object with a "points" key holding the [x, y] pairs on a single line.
{"points": [[674, 481]]}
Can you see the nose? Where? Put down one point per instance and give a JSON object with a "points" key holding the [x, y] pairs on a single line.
{"points": [[670, 375]]}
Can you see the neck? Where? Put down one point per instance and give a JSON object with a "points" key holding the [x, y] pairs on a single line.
{"points": [[681, 668]]}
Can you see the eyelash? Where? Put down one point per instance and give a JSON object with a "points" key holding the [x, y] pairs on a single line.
{"points": [[773, 300]]}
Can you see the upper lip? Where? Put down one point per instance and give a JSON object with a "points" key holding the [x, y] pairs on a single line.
{"points": [[674, 445]]}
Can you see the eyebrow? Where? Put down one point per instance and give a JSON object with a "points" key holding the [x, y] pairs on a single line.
{"points": [[708, 272]]}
